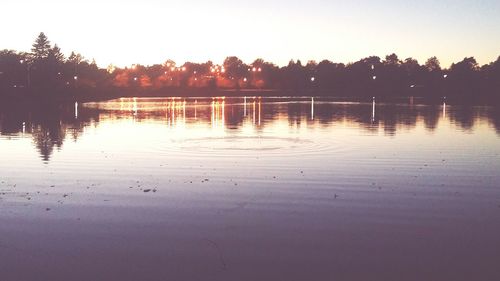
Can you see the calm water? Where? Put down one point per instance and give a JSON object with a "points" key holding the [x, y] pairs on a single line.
{"points": [[249, 189]]}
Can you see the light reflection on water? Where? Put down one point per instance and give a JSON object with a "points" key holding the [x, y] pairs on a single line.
{"points": [[249, 122], [250, 138], [277, 185]]}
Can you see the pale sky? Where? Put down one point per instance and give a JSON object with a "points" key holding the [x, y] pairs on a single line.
{"points": [[152, 31]]}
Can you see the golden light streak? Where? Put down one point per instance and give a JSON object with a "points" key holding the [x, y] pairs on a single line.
{"points": [[312, 108], [373, 110], [245, 106], [259, 110], [134, 106], [253, 119], [195, 109], [218, 114]]}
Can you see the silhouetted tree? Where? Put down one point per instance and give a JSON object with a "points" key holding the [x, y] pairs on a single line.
{"points": [[463, 78], [49, 73], [55, 54], [13, 69], [41, 48], [491, 79], [392, 59], [267, 77], [235, 70], [433, 64], [75, 58]]}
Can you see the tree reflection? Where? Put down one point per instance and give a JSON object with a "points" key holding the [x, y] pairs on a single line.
{"points": [[49, 126]]}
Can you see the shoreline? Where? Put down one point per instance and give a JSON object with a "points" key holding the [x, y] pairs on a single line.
{"points": [[93, 95]]}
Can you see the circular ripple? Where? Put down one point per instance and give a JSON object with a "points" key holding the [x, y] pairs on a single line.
{"points": [[242, 146]]}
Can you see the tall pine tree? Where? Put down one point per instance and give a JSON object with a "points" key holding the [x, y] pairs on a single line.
{"points": [[56, 55], [41, 48]]}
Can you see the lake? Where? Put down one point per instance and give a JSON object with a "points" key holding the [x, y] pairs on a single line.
{"points": [[249, 188]]}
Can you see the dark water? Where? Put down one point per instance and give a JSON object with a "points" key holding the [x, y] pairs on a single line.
{"points": [[249, 189]]}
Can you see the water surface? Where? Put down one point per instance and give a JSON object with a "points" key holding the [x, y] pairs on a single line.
{"points": [[249, 189]]}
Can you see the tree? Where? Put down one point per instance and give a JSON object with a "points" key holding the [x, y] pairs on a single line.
{"points": [[55, 54], [464, 77], [411, 66], [235, 69], [75, 58], [258, 62], [46, 62], [433, 64], [466, 65], [266, 77], [392, 59], [295, 76], [41, 48], [169, 64], [491, 75], [12, 68]]}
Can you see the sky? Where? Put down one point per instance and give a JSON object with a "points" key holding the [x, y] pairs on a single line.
{"points": [[151, 31]]}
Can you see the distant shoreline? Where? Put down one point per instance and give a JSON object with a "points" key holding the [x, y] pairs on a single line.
{"points": [[45, 74], [95, 95]]}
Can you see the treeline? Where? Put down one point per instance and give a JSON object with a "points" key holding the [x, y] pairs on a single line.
{"points": [[46, 72]]}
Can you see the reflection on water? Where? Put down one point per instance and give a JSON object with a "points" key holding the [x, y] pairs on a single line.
{"points": [[373, 110], [264, 188], [50, 127]]}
